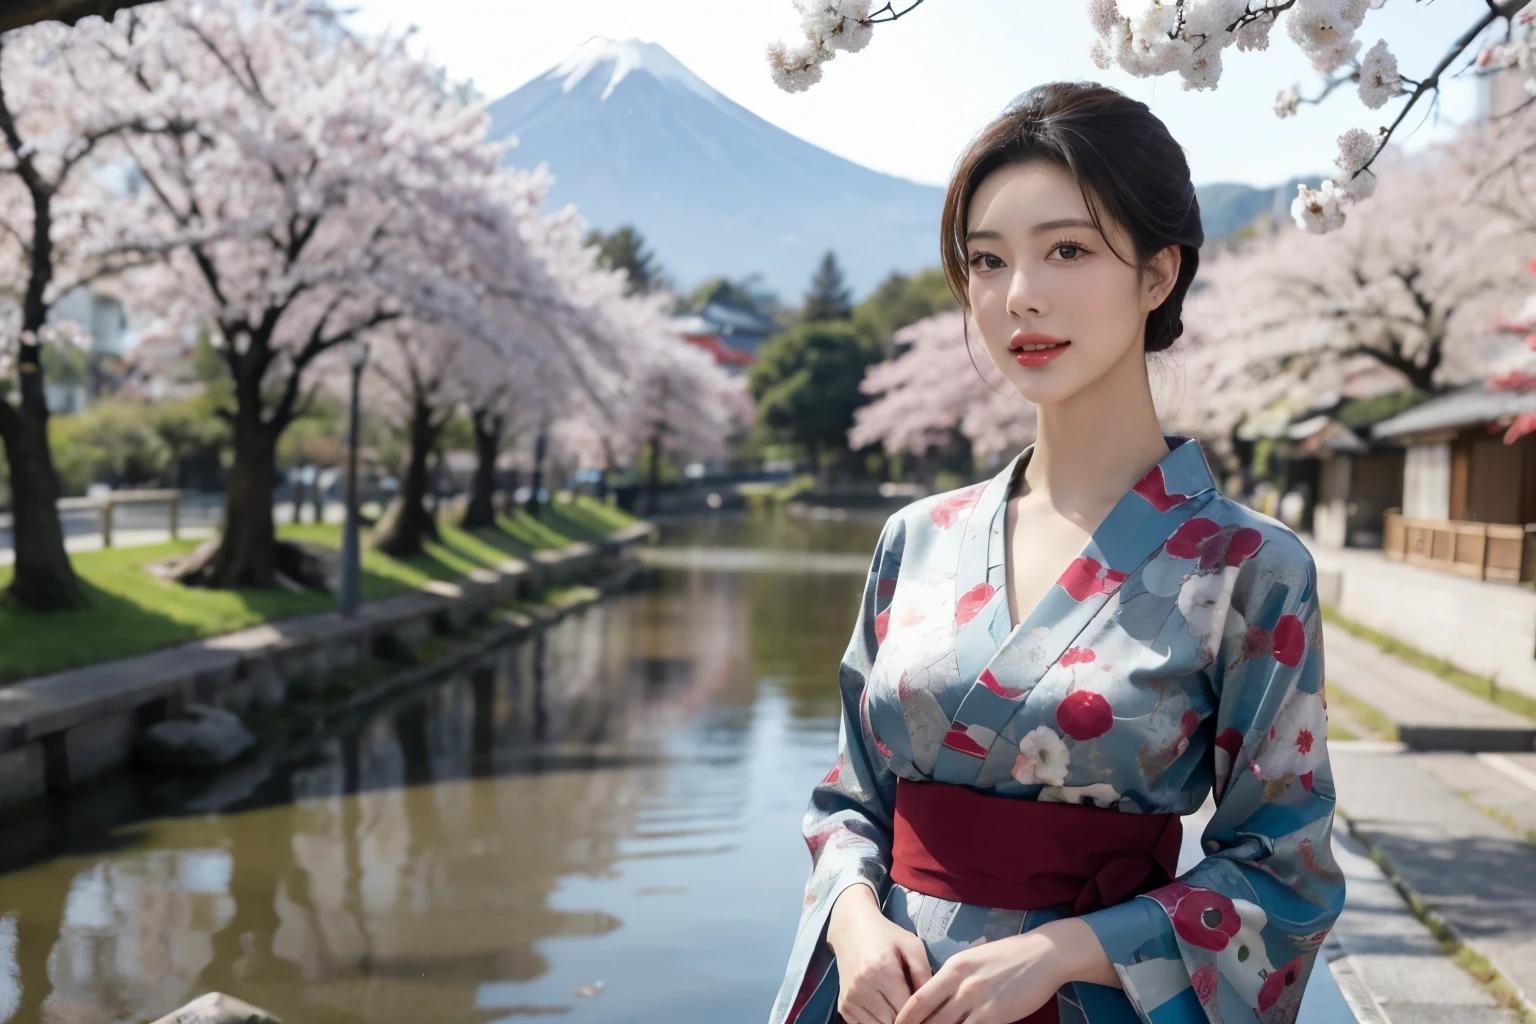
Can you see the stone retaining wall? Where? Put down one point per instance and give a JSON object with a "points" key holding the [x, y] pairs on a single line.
{"points": [[61, 731]]}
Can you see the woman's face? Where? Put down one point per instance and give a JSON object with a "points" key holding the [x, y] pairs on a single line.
{"points": [[1040, 272]]}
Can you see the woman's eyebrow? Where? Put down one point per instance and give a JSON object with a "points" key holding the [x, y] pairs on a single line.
{"points": [[1050, 225], [1065, 222]]}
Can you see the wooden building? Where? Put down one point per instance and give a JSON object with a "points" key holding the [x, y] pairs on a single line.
{"points": [[1469, 499]]}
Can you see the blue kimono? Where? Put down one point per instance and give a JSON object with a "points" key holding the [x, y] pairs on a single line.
{"points": [[1180, 653]]}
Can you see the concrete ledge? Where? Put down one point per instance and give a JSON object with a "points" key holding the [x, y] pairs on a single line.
{"points": [[60, 731], [1429, 713]]}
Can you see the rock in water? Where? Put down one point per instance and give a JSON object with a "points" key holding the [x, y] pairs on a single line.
{"points": [[218, 1008], [198, 737]]}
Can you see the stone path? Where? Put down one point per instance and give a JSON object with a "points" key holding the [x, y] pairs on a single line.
{"points": [[1421, 811]]}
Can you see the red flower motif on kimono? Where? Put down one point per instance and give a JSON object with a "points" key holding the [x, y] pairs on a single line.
{"points": [[1082, 579], [1289, 641], [832, 776], [882, 625], [1084, 715], [973, 601], [1205, 918], [1154, 487], [1078, 655], [969, 739], [947, 512], [1277, 984], [818, 839], [1214, 545], [989, 680], [1204, 982]]}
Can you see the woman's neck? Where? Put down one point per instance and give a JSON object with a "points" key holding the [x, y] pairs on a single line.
{"points": [[1095, 445]]}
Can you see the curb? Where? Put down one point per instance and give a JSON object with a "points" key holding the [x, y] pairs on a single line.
{"points": [[515, 627], [64, 731], [1441, 928]]}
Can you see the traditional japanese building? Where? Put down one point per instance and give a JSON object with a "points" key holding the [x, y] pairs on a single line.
{"points": [[731, 334], [1469, 499]]}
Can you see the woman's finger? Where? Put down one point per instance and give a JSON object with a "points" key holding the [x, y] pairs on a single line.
{"points": [[853, 1015], [916, 956], [890, 997], [927, 999]]}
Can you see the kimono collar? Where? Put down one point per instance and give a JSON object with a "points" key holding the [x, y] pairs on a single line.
{"points": [[1000, 663], [1181, 474], [1140, 521]]}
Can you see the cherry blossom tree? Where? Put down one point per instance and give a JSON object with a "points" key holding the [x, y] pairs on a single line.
{"points": [[1150, 38], [1403, 289], [326, 186], [941, 385], [53, 122]]}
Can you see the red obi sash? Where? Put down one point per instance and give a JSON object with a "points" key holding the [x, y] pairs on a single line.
{"points": [[957, 844]]}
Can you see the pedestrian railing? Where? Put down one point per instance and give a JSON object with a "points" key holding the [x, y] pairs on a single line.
{"points": [[106, 505]]}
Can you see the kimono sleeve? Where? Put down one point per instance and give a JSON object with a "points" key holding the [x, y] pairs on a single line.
{"points": [[847, 826], [1235, 938]]}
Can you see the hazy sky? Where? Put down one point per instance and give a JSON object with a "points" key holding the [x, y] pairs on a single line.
{"points": [[908, 103]]}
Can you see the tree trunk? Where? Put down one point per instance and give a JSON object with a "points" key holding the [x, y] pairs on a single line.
{"points": [[43, 578], [540, 445], [407, 525], [481, 511], [247, 547]]}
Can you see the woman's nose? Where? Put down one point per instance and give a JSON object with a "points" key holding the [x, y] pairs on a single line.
{"points": [[1024, 297]]}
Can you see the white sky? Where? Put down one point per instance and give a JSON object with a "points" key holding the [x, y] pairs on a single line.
{"points": [[907, 104]]}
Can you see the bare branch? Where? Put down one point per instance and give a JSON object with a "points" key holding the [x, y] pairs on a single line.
{"points": [[890, 13]]}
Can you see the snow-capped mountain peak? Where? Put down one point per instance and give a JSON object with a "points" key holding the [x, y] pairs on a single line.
{"points": [[618, 57]]}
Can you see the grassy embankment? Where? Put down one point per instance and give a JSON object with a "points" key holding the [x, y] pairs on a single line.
{"points": [[132, 612]]}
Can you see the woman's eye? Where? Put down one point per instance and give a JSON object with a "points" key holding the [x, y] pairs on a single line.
{"points": [[1076, 250], [986, 261]]}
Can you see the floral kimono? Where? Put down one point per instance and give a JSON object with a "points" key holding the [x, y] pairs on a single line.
{"points": [[1180, 652]]}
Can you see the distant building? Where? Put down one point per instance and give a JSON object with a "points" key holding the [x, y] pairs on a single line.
{"points": [[732, 335], [109, 328], [1467, 496]]}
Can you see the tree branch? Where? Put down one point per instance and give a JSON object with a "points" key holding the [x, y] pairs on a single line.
{"points": [[1496, 10], [891, 14]]}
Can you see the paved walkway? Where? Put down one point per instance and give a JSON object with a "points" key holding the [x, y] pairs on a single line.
{"points": [[1388, 965], [1424, 813], [1429, 713], [1487, 628]]}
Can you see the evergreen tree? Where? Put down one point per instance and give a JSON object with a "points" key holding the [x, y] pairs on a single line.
{"points": [[828, 298], [624, 249]]}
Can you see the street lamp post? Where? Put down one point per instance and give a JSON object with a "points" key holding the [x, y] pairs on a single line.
{"points": [[351, 555]]}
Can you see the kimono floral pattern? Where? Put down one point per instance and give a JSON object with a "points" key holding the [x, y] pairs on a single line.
{"points": [[1179, 655]]}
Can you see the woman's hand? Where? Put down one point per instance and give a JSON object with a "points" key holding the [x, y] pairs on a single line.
{"points": [[1005, 980], [879, 963]]}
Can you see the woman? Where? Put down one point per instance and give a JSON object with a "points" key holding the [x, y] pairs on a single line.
{"points": [[1050, 667]]}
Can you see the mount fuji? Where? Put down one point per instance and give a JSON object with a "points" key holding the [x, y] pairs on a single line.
{"points": [[632, 136]]}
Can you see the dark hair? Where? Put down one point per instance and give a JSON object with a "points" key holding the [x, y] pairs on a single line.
{"points": [[1128, 166]]}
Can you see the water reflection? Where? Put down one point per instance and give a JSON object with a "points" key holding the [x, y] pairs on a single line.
{"points": [[610, 808]]}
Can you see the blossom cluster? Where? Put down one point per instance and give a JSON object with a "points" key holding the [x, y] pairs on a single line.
{"points": [[829, 25]]}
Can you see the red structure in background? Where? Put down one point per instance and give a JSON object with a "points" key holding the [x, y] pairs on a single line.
{"points": [[724, 354], [730, 334]]}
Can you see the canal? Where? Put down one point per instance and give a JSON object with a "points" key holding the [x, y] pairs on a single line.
{"points": [[599, 824]]}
